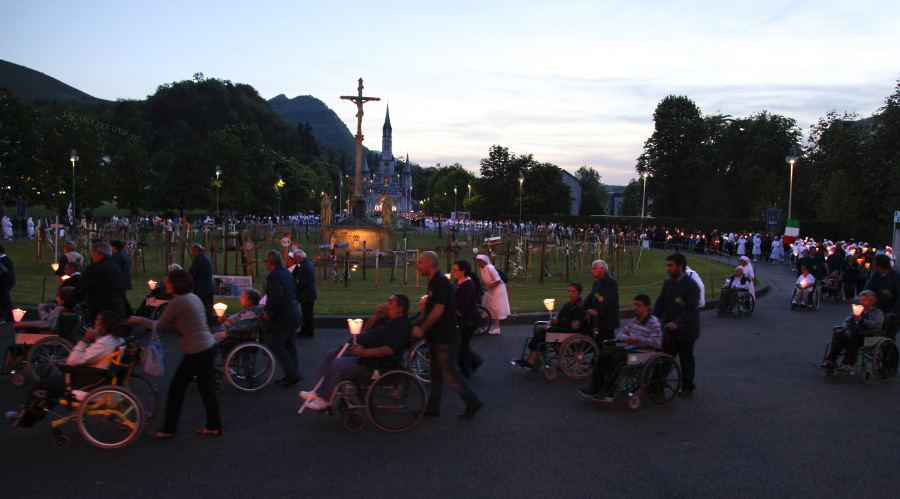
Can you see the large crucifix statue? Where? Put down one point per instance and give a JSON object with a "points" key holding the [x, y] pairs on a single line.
{"points": [[358, 202]]}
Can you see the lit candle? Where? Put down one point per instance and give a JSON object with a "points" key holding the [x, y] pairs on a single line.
{"points": [[220, 309], [54, 266], [152, 284], [355, 326], [448, 276], [64, 277], [548, 304], [18, 313], [857, 309]]}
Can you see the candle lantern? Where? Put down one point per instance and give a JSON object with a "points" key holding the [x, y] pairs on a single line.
{"points": [[220, 309], [355, 326]]}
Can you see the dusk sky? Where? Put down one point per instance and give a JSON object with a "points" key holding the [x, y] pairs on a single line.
{"points": [[572, 82]]}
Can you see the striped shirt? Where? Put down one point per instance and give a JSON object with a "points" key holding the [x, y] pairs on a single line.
{"points": [[648, 332]]}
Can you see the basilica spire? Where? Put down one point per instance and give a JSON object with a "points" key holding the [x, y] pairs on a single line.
{"points": [[387, 153]]}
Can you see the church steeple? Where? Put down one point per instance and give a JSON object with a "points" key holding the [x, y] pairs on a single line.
{"points": [[386, 147]]}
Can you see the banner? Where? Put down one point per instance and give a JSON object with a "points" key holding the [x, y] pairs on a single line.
{"points": [[231, 286]]}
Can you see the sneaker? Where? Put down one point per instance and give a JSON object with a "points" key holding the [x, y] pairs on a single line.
{"points": [[311, 395], [494, 331], [12, 414], [847, 369], [317, 404], [523, 363], [79, 395], [827, 365]]}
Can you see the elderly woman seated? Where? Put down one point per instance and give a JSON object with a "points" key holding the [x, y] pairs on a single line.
{"points": [[852, 334], [733, 287], [386, 334], [805, 284], [242, 321], [86, 366]]}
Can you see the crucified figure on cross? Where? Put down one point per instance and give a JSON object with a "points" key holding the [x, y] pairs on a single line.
{"points": [[358, 208]]}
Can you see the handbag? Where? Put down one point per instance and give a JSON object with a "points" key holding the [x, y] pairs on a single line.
{"points": [[157, 356]]}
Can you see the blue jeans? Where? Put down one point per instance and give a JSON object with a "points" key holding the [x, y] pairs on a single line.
{"points": [[333, 370], [443, 363]]}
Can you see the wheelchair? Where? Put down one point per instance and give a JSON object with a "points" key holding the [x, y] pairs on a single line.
{"points": [[153, 307], [248, 365], [572, 352], [486, 320], [815, 297], [392, 398], [111, 409], [745, 304], [647, 374], [832, 288], [877, 357], [34, 352], [417, 361]]}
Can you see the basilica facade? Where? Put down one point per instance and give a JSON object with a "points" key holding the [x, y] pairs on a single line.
{"points": [[391, 178]]}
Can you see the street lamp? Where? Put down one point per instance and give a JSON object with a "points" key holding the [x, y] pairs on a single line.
{"points": [[218, 172], [454, 202], [470, 191], [521, 179], [278, 187], [791, 158], [73, 157], [644, 198]]}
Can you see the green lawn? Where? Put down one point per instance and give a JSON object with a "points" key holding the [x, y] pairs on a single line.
{"points": [[35, 281]]}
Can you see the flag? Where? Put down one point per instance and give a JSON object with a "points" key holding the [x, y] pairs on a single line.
{"points": [[69, 215], [791, 231]]}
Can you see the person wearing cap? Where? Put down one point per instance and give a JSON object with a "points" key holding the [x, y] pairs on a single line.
{"points": [[495, 298], [890, 253]]}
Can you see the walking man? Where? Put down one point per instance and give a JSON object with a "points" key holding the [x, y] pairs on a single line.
{"points": [[677, 309]]}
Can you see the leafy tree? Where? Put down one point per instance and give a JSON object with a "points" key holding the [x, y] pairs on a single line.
{"points": [[441, 184], [545, 192], [631, 198], [594, 196], [133, 179]]}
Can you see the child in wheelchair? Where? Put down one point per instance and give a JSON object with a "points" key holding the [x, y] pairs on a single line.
{"points": [[734, 286], [851, 335], [805, 285], [86, 366], [570, 319]]}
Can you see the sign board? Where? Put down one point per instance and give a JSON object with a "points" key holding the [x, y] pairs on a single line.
{"points": [[897, 217], [773, 219], [231, 286]]}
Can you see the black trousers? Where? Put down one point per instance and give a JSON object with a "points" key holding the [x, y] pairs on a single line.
{"points": [[443, 363], [608, 362], [683, 350], [207, 300], [202, 366], [840, 342], [468, 360], [6, 306], [306, 310]]}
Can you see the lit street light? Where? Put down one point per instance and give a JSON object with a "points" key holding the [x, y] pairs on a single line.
{"points": [[73, 157], [521, 179], [644, 198], [454, 202], [218, 172], [791, 158], [278, 187]]}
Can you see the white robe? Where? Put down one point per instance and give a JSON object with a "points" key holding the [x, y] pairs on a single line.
{"points": [[742, 246], [749, 274], [7, 227], [30, 226], [757, 245], [495, 299]]}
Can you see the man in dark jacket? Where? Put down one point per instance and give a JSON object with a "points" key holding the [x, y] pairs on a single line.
{"points": [[204, 287], [120, 258], [678, 311], [603, 302], [283, 311], [101, 283], [7, 281], [885, 282], [305, 280]]}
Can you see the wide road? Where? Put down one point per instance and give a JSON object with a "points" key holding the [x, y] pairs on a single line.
{"points": [[764, 422]]}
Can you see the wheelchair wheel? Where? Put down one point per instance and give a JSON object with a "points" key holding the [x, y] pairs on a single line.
{"points": [[110, 417], [486, 320], [550, 373], [417, 361], [885, 359], [396, 401], [816, 298], [18, 380], [634, 402], [577, 356], [147, 393], [354, 421], [44, 355], [249, 367], [749, 305], [660, 380]]}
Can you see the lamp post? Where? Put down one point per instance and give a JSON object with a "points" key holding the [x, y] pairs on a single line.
{"points": [[791, 158], [278, 187], [218, 172], [73, 157], [521, 179], [644, 198], [454, 202]]}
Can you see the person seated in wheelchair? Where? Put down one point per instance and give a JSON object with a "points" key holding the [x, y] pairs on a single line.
{"points": [[86, 366], [853, 332], [805, 285], [385, 335], [734, 286], [643, 331], [569, 320], [71, 275], [49, 315], [241, 322]]}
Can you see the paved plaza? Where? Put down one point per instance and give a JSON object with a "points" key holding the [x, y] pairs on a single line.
{"points": [[764, 422]]}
